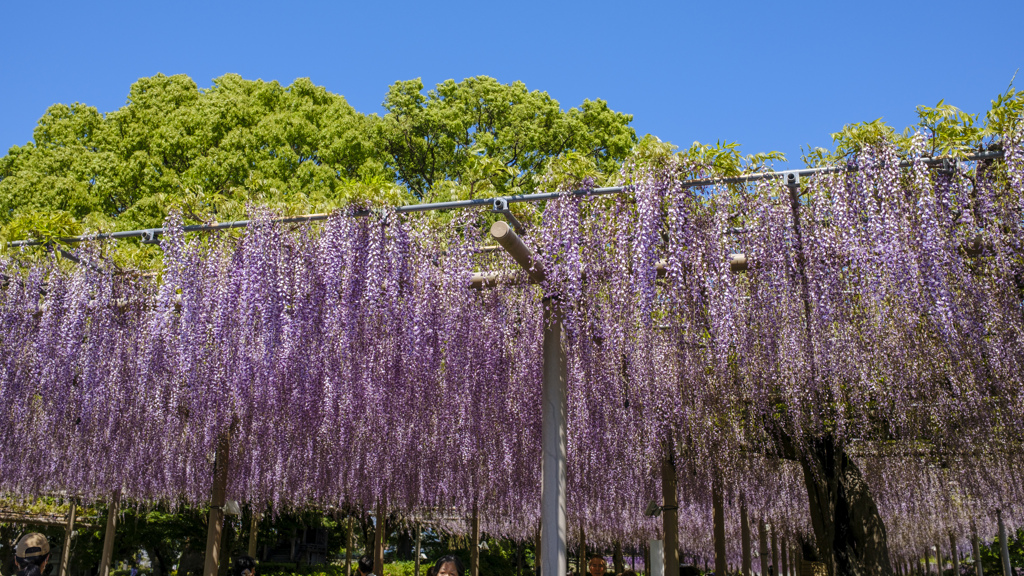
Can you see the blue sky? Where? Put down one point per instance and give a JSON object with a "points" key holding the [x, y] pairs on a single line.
{"points": [[771, 76]]}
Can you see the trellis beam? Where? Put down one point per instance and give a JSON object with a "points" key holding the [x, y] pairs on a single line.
{"points": [[150, 235]]}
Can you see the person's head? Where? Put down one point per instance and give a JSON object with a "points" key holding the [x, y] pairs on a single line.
{"points": [[449, 566], [31, 554], [629, 573], [245, 566], [365, 564], [597, 566]]}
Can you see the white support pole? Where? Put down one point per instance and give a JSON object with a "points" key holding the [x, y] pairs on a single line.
{"points": [[1004, 551], [553, 403], [553, 465], [215, 526], [976, 545]]}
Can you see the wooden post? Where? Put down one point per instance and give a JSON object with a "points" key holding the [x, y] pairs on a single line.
{"points": [[215, 526], [113, 508], [719, 528], [670, 511], [419, 535], [474, 546], [65, 553], [775, 552], [348, 549], [378, 541], [744, 538], [254, 528], [763, 553], [938, 558], [954, 554], [927, 561]]}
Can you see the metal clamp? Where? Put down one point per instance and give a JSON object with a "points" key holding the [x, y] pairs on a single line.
{"points": [[791, 179], [150, 236], [500, 205]]}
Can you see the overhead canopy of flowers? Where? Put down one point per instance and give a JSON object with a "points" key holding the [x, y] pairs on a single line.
{"points": [[354, 363]]}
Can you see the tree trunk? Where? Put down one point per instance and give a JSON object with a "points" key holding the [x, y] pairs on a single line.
{"points": [[849, 533], [617, 559]]}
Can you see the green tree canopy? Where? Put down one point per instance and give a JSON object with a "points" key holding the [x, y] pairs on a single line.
{"points": [[298, 148]]}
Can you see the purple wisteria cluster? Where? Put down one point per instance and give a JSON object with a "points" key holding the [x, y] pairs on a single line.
{"points": [[353, 363]]}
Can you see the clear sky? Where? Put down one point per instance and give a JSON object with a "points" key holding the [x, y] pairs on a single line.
{"points": [[769, 75]]}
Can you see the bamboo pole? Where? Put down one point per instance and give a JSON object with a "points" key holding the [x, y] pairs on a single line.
{"points": [[113, 507], [670, 512], [65, 553], [215, 525]]}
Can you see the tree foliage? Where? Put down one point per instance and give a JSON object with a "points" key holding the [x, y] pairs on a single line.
{"points": [[296, 148]]}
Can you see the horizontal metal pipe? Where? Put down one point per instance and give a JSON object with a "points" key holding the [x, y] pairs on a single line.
{"points": [[152, 233]]}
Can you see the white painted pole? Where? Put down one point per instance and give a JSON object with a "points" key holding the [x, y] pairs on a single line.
{"points": [[1004, 551], [552, 510]]}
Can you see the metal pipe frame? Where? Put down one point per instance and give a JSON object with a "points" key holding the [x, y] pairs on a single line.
{"points": [[149, 235]]}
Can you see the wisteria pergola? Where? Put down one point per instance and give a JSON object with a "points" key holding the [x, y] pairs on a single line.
{"points": [[683, 333]]}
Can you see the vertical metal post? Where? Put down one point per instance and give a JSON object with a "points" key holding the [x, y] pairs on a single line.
{"points": [[113, 507], [216, 522], [744, 539], [65, 553], [718, 519], [670, 511], [1004, 551]]}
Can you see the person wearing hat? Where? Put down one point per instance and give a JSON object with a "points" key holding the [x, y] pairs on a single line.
{"points": [[31, 554]]}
